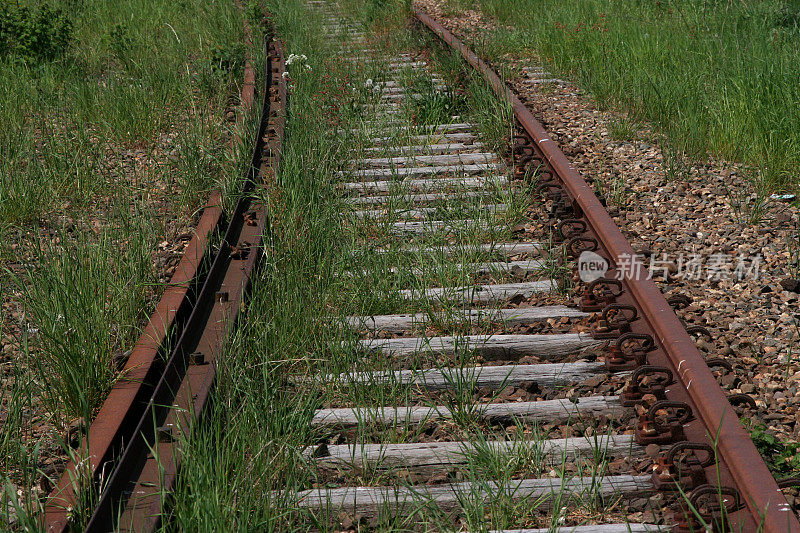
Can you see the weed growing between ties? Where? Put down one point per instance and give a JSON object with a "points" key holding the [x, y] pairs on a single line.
{"points": [[715, 77], [326, 260], [261, 413]]}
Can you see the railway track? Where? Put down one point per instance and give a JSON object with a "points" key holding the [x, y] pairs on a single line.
{"points": [[603, 410], [131, 457]]}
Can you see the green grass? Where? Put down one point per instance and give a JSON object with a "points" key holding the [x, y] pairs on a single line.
{"points": [[715, 77], [133, 71], [114, 133], [283, 334], [292, 356], [434, 105], [85, 308]]}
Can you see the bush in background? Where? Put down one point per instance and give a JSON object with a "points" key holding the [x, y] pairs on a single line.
{"points": [[40, 34]]}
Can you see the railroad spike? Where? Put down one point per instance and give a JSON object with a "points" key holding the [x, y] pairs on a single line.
{"points": [[629, 351], [646, 380], [615, 320], [577, 245], [600, 293]]}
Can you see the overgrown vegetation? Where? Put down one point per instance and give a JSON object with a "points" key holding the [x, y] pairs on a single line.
{"points": [[717, 77], [783, 458], [129, 73], [114, 131], [34, 34], [325, 261], [81, 316], [433, 105]]}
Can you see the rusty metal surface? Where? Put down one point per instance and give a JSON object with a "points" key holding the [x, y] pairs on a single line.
{"points": [[116, 420], [739, 463], [142, 478], [112, 425]]}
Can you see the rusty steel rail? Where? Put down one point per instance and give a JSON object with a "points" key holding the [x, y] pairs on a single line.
{"points": [[708, 423], [132, 449], [111, 427]]}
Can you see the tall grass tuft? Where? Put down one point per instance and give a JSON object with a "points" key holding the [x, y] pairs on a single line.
{"points": [[82, 304], [77, 78]]}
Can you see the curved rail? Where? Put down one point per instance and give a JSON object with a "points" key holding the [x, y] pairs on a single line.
{"points": [[131, 443], [738, 460]]}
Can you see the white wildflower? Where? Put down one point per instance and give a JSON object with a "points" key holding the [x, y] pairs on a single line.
{"points": [[285, 74], [299, 59], [368, 83]]}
